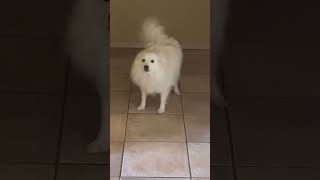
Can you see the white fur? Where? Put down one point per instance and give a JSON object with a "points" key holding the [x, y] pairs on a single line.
{"points": [[87, 46], [163, 74]]}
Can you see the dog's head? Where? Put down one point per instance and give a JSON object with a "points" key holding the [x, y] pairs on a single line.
{"points": [[147, 62]]}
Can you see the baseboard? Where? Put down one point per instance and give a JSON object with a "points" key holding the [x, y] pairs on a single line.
{"points": [[140, 45]]}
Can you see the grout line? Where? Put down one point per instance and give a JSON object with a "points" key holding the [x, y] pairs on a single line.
{"points": [[26, 163], [155, 113], [27, 36], [30, 93], [232, 153], [125, 131], [171, 177], [82, 164], [185, 132], [228, 121], [171, 114], [119, 90], [52, 164], [64, 99], [194, 92], [173, 142]]}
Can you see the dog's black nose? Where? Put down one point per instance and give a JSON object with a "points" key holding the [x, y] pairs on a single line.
{"points": [[146, 68]]}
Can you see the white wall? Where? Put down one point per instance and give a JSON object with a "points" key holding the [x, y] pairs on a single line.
{"points": [[186, 20]]}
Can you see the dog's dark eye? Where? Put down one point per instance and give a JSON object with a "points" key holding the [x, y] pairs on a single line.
{"points": [[143, 60], [152, 61]]}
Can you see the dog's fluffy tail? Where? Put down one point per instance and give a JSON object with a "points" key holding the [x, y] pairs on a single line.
{"points": [[152, 32]]}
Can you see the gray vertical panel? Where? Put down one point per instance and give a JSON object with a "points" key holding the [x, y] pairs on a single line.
{"points": [[219, 10]]}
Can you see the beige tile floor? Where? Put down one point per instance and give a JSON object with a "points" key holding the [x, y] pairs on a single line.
{"points": [[147, 145]]}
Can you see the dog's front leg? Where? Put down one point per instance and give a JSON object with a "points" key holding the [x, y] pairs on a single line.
{"points": [[100, 144], [163, 100], [143, 101]]}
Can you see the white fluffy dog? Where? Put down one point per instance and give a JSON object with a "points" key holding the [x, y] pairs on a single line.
{"points": [[87, 44], [156, 69]]}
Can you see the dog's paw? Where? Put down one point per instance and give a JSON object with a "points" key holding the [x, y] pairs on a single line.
{"points": [[176, 91], [140, 108], [160, 110], [96, 147]]}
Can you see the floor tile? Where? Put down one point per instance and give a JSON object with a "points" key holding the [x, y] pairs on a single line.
{"points": [[197, 128], [155, 159], [26, 172], [195, 83], [120, 66], [222, 173], [115, 158], [272, 131], [121, 59], [153, 103], [253, 173], [40, 67], [81, 124], [82, 172], [196, 103], [132, 178], [199, 155], [220, 139], [117, 126], [120, 81], [119, 102], [196, 62], [29, 127], [123, 53], [79, 84], [200, 179], [27, 19], [155, 127], [272, 70], [114, 178]]}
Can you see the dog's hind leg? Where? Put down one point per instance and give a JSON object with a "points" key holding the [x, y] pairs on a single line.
{"points": [[176, 89]]}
